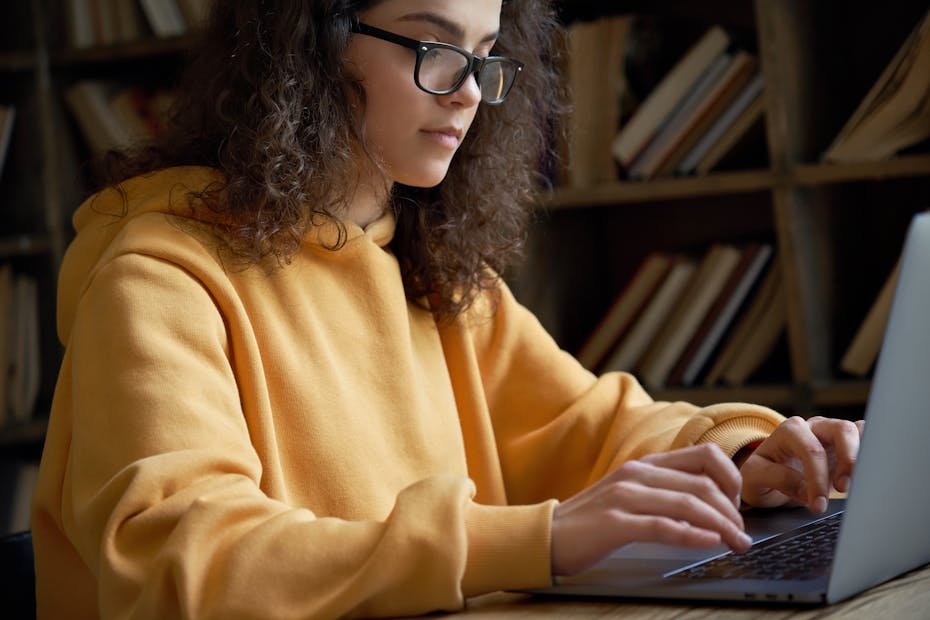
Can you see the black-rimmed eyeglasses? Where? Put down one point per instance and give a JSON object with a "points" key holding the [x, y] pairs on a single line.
{"points": [[442, 68]]}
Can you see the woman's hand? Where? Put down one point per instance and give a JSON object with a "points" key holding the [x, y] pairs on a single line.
{"points": [[800, 461], [687, 497]]}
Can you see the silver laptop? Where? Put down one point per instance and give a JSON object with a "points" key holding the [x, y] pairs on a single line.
{"points": [[878, 533]]}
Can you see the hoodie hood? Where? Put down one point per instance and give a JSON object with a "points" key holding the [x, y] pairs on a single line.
{"points": [[103, 221]]}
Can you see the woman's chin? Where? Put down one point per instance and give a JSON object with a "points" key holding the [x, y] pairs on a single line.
{"points": [[423, 181]]}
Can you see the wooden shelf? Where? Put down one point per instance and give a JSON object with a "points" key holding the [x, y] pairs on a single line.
{"points": [[720, 183], [24, 245], [841, 393], [775, 396], [122, 52], [899, 167], [20, 433], [17, 61], [833, 394], [660, 189]]}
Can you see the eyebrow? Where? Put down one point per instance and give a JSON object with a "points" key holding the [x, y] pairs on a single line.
{"points": [[450, 27]]}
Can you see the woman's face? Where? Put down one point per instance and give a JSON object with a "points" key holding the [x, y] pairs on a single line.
{"points": [[413, 134]]}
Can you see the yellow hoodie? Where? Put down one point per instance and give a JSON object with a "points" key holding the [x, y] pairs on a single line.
{"points": [[233, 443]]}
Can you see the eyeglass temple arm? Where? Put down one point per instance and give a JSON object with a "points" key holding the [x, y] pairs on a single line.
{"points": [[385, 35]]}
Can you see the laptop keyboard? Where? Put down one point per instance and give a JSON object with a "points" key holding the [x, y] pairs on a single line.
{"points": [[805, 555]]}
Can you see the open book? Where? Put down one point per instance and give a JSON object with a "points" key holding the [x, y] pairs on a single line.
{"points": [[895, 113]]}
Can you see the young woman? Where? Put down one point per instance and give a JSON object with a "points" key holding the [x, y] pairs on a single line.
{"points": [[294, 384]]}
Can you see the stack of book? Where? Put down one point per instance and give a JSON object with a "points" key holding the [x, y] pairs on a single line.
{"points": [[19, 346], [685, 320], [94, 23], [111, 116], [699, 110]]}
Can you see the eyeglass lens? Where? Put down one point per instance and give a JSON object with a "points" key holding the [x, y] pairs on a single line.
{"points": [[441, 69]]}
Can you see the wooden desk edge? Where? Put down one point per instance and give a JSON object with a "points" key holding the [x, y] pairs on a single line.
{"points": [[907, 596]]}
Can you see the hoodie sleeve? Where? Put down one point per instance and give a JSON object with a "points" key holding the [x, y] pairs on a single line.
{"points": [[559, 428], [165, 500]]}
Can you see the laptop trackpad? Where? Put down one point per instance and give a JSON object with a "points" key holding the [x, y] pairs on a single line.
{"points": [[645, 561]]}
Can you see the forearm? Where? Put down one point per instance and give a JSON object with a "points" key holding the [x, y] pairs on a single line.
{"points": [[218, 548]]}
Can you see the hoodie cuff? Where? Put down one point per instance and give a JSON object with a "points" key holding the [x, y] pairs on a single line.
{"points": [[737, 433], [508, 547]]}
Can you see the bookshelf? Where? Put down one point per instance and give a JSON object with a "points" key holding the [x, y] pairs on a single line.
{"points": [[837, 227], [29, 246], [46, 176], [28, 250]]}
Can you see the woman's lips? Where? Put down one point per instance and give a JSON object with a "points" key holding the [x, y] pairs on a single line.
{"points": [[448, 137]]}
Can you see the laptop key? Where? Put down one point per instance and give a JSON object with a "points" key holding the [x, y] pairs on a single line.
{"points": [[806, 555]]}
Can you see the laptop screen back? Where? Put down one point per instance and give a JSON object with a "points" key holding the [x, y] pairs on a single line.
{"points": [[885, 531]]}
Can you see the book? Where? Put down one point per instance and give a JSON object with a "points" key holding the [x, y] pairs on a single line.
{"points": [[743, 127], [195, 12], [631, 346], [761, 341], [595, 88], [32, 371], [745, 324], [129, 20], [895, 113], [103, 18], [113, 117], [863, 350], [7, 117], [6, 338], [755, 257], [659, 104], [164, 17], [19, 509], [693, 118], [712, 273], [624, 309], [25, 370], [751, 94], [80, 24], [89, 102]]}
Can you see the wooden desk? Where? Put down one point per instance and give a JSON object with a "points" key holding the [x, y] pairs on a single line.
{"points": [[905, 598]]}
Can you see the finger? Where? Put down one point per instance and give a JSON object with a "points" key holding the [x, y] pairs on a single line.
{"points": [[707, 459], [700, 485], [770, 484], [794, 438], [667, 531], [682, 482], [843, 435], [682, 506]]}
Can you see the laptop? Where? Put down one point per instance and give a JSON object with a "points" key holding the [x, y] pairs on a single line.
{"points": [[879, 532]]}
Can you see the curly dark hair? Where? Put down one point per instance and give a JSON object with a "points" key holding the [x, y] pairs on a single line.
{"points": [[265, 99]]}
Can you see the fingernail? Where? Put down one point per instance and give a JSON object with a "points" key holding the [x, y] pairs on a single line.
{"points": [[746, 539], [820, 504], [842, 484]]}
